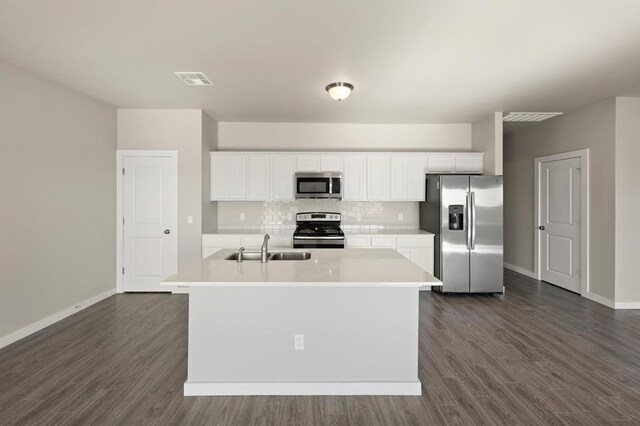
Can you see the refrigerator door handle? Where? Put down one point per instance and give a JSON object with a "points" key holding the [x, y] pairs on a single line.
{"points": [[473, 221], [467, 221]]}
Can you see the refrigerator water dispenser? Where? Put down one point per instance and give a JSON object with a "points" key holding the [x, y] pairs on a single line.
{"points": [[456, 217]]}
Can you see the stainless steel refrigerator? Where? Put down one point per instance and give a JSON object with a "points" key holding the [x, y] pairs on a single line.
{"points": [[465, 214]]}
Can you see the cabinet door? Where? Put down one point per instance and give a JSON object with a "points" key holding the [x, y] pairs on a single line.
{"points": [[440, 163], [219, 178], [308, 163], [355, 178], [259, 175], [469, 163], [357, 241], [237, 176], [331, 163], [416, 177], [383, 242], [399, 178], [283, 176], [378, 178]]}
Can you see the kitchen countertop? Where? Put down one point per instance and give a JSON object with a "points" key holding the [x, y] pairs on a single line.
{"points": [[326, 268], [388, 231]]}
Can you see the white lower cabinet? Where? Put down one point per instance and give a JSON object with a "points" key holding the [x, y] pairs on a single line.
{"points": [[212, 243], [418, 248]]}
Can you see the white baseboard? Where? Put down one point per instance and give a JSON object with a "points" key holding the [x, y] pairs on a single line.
{"points": [[180, 290], [602, 300], [51, 319], [520, 270], [302, 388], [627, 305]]}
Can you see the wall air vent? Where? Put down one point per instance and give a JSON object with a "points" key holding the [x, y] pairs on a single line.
{"points": [[194, 78], [529, 116]]}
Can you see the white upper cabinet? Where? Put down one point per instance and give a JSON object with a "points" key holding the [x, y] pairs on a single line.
{"points": [[441, 163], [259, 177], [228, 176], [331, 163], [262, 176], [378, 177], [469, 163], [308, 163], [354, 178], [282, 170], [407, 178]]}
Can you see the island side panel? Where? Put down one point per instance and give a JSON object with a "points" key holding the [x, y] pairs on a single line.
{"points": [[246, 334]]}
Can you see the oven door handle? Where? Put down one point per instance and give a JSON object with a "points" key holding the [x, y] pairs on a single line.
{"points": [[317, 238]]}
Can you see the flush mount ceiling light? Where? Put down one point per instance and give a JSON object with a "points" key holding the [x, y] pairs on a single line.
{"points": [[340, 90], [194, 78], [529, 116]]}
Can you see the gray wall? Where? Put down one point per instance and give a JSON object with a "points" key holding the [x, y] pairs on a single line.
{"points": [[343, 136], [57, 175], [627, 199], [486, 136], [209, 143], [173, 129], [592, 127]]}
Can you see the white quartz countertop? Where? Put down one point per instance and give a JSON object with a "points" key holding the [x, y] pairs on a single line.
{"points": [[326, 268], [389, 231]]}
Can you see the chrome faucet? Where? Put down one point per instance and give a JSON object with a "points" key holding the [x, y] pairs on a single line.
{"points": [[240, 254], [264, 250]]}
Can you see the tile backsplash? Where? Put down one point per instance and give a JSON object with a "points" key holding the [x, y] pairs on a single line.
{"points": [[274, 216]]}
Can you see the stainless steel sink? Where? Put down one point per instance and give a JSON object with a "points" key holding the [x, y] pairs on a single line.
{"points": [[291, 255], [286, 255], [247, 255]]}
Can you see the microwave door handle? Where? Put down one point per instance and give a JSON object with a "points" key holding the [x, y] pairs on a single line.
{"points": [[330, 186]]}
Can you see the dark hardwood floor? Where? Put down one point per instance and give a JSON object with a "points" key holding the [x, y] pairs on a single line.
{"points": [[538, 355]]}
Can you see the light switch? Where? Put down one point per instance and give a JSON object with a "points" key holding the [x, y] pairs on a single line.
{"points": [[242, 216], [189, 220], [400, 217]]}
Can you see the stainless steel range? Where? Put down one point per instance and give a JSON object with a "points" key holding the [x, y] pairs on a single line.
{"points": [[318, 230]]}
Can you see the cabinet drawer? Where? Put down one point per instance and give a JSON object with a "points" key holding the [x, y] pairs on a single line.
{"points": [[282, 241], [414, 242], [220, 241], [383, 242], [356, 241]]}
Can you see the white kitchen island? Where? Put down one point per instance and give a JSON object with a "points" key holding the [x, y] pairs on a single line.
{"points": [[344, 322]]}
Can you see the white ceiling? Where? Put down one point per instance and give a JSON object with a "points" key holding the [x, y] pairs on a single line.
{"points": [[410, 62]]}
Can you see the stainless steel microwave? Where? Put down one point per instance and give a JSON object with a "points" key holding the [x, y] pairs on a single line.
{"points": [[319, 185]]}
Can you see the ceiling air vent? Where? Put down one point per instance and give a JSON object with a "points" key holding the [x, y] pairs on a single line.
{"points": [[194, 78], [529, 116]]}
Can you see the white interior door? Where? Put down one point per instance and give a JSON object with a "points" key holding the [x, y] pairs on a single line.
{"points": [[150, 225], [559, 214]]}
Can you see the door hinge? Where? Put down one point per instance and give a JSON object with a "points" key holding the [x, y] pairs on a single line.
{"points": [[123, 170], [122, 271], [123, 220]]}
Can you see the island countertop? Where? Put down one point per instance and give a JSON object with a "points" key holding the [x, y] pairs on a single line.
{"points": [[326, 267]]}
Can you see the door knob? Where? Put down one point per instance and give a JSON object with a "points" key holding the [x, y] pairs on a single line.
{"points": [[167, 231], [542, 228]]}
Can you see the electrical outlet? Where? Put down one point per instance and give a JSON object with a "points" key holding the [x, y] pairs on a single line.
{"points": [[400, 217], [298, 344], [242, 217]]}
